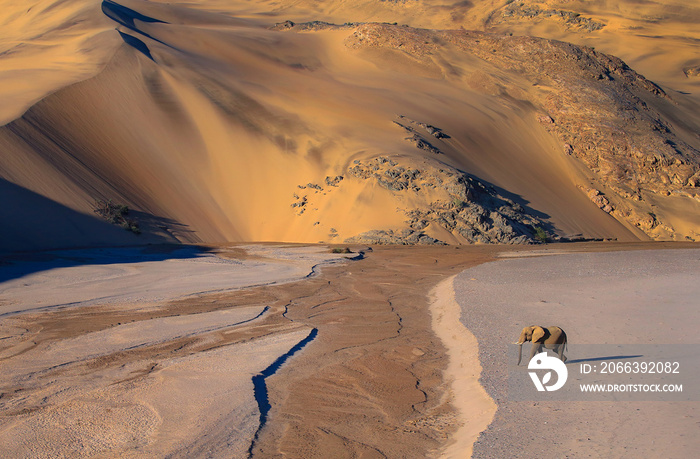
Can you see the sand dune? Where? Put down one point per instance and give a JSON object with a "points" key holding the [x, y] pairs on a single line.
{"points": [[216, 128], [46, 45]]}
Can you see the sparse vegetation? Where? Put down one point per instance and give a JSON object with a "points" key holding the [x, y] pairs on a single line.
{"points": [[341, 250], [540, 234], [116, 214]]}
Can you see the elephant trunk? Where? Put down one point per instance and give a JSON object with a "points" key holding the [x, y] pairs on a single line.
{"points": [[520, 352]]}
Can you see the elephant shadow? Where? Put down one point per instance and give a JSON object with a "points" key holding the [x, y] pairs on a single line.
{"points": [[598, 359]]}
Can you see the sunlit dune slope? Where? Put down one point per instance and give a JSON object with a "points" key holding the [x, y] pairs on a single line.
{"points": [[46, 45], [224, 127]]}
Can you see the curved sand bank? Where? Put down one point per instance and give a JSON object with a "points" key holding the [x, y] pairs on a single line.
{"points": [[647, 297], [475, 407]]}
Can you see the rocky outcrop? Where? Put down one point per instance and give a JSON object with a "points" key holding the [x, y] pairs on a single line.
{"points": [[463, 206], [430, 129], [599, 200], [312, 26], [417, 137], [692, 72], [520, 10], [334, 181], [388, 174], [390, 237]]}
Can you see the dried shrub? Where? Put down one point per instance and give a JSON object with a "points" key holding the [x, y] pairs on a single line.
{"points": [[116, 214]]}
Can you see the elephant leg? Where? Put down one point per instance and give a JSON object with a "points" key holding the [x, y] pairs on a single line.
{"points": [[536, 349], [560, 351]]}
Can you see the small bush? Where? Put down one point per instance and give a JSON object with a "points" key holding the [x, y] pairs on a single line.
{"points": [[540, 234], [339, 250], [116, 214]]}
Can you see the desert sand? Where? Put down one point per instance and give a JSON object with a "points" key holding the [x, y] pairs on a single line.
{"points": [[216, 127], [114, 409], [474, 406], [219, 121], [631, 297], [374, 359]]}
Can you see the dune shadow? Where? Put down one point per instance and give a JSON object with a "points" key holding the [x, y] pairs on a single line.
{"points": [[600, 359], [136, 44], [18, 265], [125, 16], [175, 231], [40, 234], [35, 222]]}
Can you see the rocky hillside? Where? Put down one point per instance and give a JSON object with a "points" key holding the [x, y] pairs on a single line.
{"points": [[622, 128]]}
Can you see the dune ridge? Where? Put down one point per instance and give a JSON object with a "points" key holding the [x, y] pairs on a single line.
{"points": [[213, 124], [46, 45]]}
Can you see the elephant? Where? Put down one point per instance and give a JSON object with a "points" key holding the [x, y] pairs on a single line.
{"points": [[550, 337]]}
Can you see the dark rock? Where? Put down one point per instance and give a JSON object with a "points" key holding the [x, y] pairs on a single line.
{"points": [[389, 237], [423, 144], [334, 181]]}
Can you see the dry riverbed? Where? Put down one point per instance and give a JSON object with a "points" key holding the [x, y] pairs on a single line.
{"points": [[261, 350]]}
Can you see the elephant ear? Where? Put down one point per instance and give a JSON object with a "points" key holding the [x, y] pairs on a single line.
{"points": [[537, 334]]}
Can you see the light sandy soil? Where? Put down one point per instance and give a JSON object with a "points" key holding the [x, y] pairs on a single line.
{"points": [[63, 393], [643, 297], [366, 372], [144, 276], [474, 406]]}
